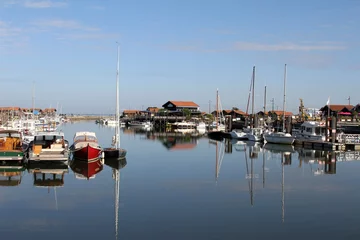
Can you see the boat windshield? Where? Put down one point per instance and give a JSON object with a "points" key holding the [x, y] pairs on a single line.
{"points": [[48, 137], [6, 134], [85, 138]]}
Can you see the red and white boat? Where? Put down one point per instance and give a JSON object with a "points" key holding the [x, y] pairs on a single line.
{"points": [[86, 146]]}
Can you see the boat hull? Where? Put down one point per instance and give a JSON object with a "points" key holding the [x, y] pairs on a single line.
{"points": [[279, 139], [216, 135], [238, 135], [87, 152], [114, 153], [11, 155]]}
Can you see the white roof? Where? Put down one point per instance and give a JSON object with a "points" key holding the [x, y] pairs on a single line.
{"points": [[77, 134], [49, 134], [313, 124]]}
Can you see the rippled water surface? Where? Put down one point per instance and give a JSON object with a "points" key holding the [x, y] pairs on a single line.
{"points": [[188, 188]]}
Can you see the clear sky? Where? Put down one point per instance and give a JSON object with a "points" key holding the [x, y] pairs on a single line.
{"points": [[177, 50]]}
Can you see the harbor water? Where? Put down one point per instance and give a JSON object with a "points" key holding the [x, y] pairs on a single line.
{"points": [[190, 188]]}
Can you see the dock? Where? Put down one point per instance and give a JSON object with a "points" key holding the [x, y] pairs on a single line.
{"points": [[345, 142]]}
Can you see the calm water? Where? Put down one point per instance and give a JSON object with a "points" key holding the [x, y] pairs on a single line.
{"points": [[174, 188]]}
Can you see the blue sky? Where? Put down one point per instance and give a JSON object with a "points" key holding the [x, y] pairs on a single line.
{"points": [[177, 50]]}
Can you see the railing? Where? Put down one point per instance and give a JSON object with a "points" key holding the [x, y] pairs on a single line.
{"points": [[168, 117], [349, 138], [348, 156]]}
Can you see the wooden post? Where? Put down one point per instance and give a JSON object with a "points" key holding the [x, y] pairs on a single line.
{"points": [[333, 129]]}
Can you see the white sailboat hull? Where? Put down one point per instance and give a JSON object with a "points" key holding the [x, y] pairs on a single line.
{"points": [[279, 138], [238, 135]]}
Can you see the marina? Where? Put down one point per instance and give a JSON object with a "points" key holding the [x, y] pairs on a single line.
{"points": [[179, 120], [246, 175]]}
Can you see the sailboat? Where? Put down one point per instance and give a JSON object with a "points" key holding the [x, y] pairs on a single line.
{"points": [[218, 133], [116, 151], [253, 133], [280, 137]]}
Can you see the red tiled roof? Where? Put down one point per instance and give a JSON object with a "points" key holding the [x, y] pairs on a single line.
{"points": [[131, 111], [337, 108], [49, 110], [280, 113], [153, 109], [240, 112], [10, 108], [184, 104]]}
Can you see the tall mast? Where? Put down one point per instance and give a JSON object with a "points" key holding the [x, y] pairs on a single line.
{"points": [[33, 97], [117, 135], [265, 101], [217, 109], [253, 98], [284, 99], [248, 101]]}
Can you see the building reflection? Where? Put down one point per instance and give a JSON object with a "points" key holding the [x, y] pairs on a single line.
{"points": [[179, 143], [320, 161], [11, 174]]}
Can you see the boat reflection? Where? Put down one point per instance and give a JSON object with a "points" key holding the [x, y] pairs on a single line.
{"points": [[48, 174], [86, 169], [116, 163], [11, 174]]}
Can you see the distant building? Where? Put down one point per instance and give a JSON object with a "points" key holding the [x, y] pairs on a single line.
{"points": [[152, 110], [235, 114], [130, 113], [276, 114], [337, 110], [179, 106]]}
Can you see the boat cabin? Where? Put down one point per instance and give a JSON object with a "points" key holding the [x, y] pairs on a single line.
{"points": [[10, 140], [48, 140], [85, 137], [313, 128]]}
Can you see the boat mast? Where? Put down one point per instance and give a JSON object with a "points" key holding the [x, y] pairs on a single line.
{"points": [[284, 99], [33, 97], [217, 109], [248, 101], [253, 100], [117, 132], [265, 101]]}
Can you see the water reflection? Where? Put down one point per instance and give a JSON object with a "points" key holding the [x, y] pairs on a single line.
{"points": [[245, 184], [48, 174], [86, 169], [116, 165], [11, 174]]}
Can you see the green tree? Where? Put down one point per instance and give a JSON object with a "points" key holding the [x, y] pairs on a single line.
{"points": [[235, 108], [354, 115], [187, 113]]}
